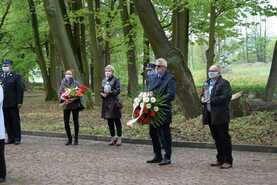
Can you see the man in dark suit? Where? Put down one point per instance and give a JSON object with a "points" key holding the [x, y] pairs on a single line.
{"points": [[216, 96], [13, 99], [164, 83]]}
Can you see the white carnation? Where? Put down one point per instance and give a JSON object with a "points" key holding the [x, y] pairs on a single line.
{"points": [[156, 109], [146, 100], [148, 106], [153, 100]]}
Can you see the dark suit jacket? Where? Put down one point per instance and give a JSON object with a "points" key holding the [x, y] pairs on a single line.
{"points": [[13, 89], [166, 87], [220, 99]]}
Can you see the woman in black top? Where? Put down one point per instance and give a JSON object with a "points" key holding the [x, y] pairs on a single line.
{"points": [[111, 106], [73, 105]]}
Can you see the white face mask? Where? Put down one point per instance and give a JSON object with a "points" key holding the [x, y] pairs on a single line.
{"points": [[108, 74], [5, 69], [68, 76], [213, 74]]}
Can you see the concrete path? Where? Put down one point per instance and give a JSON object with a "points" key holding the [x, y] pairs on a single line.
{"points": [[47, 161]]}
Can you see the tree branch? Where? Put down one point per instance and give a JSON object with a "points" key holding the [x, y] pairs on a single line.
{"points": [[5, 14]]}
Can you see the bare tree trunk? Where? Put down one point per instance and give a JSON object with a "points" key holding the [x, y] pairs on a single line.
{"points": [[271, 86], [96, 54], [180, 24], [129, 34], [49, 89], [146, 55], [186, 91], [246, 45], [58, 31], [2, 21], [108, 33], [210, 52]]}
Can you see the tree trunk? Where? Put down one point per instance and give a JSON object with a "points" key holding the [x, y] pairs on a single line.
{"points": [[146, 56], [186, 91], [246, 45], [96, 54], [271, 86], [181, 30], [3, 18], [50, 91], [58, 31], [108, 33], [130, 36], [210, 54]]}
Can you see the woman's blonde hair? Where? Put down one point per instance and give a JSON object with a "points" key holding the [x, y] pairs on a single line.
{"points": [[110, 67]]}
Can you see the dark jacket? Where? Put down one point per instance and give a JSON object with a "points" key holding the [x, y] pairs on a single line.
{"points": [[166, 87], [75, 104], [111, 106], [221, 95], [13, 89]]}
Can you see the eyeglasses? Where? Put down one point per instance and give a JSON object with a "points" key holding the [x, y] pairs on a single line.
{"points": [[159, 66]]}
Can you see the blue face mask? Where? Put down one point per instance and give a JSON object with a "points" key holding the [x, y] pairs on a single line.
{"points": [[212, 74]]}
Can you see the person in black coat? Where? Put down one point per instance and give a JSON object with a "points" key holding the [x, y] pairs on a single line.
{"points": [[72, 106], [216, 97], [111, 106], [163, 83], [13, 99]]}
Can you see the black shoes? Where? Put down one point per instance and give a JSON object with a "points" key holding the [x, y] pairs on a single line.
{"points": [[9, 142], [76, 142], [154, 160], [2, 180], [17, 142], [69, 142], [165, 162]]}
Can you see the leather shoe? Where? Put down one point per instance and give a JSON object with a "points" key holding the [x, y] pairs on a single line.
{"points": [[154, 160], [216, 164], [69, 142], [76, 142], [226, 166], [2, 180], [17, 142], [165, 162], [9, 142]]}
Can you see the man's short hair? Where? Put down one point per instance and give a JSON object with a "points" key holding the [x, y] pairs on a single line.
{"points": [[161, 62]]}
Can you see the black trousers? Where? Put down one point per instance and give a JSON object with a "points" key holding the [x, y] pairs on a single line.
{"points": [[2, 159], [66, 118], [220, 134], [115, 123], [161, 135], [12, 124]]}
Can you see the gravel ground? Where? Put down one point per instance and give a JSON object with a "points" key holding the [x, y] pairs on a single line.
{"points": [[47, 161]]}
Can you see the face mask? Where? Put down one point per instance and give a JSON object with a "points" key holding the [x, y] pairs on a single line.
{"points": [[6, 69], [108, 74], [213, 74], [68, 77]]}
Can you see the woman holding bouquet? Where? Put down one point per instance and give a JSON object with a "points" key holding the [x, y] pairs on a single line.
{"points": [[71, 105], [111, 106]]}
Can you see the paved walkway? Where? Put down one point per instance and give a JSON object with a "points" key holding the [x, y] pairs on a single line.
{"points": [[47, 161]]}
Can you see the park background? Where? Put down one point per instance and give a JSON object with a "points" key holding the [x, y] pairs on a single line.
{"points": [[45, 37]]}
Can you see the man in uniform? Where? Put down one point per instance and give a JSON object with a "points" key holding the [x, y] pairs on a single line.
{"points": [[13, 99]]}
